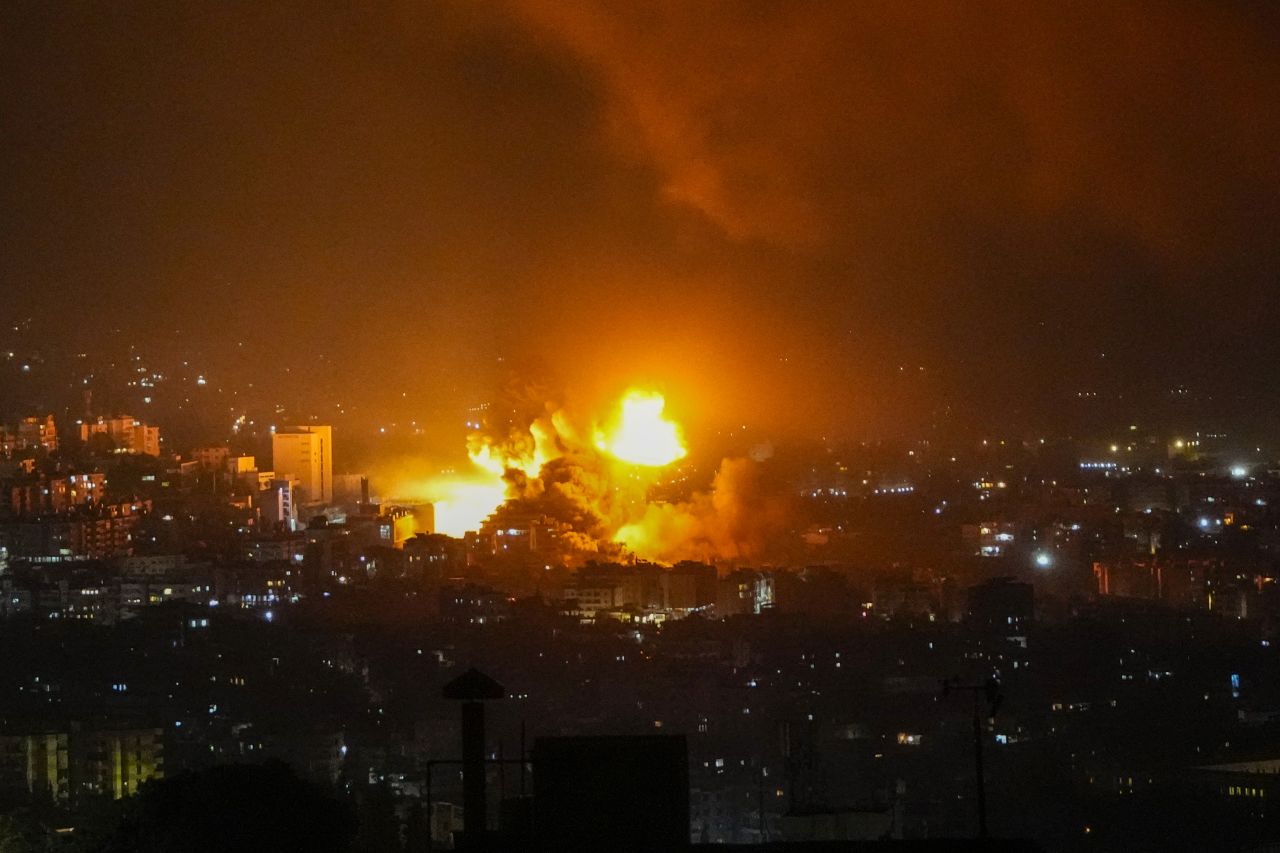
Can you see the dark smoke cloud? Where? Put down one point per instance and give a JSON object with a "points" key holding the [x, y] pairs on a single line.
{"points": [[782, 211], [1040, 196], [573, 494], [802, 123]]}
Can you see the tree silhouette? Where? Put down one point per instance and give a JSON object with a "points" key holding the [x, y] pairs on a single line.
{"points": [[20, 833], [234, 807]]}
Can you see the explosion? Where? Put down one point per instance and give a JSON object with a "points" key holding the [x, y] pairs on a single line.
{"points": [[642, 436], [594, 497], [465, 505]]}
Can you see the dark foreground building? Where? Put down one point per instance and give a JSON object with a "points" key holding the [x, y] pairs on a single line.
{"points": [[611, 793]]}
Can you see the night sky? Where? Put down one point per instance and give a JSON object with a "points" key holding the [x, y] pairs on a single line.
{"points": [[813, 216]]}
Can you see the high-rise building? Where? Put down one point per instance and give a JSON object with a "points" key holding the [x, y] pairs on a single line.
{"points": [[305, 454], [277, 503], [73, 762]]}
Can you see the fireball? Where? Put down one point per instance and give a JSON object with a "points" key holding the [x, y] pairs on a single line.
{"points": [[461, 505], [641, 434]]}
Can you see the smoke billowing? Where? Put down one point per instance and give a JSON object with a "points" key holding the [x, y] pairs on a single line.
{"points": [[562, 476], [803, 203], [743, 516]]}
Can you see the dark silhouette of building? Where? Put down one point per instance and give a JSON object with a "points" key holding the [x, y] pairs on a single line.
{"points": [[611, 793], [473, 688], [1002, 604]]}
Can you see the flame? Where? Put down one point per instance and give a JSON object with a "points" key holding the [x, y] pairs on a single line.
{"points": [[641, 435], [638, 435], [464, 505], [594, 494], [525, 451]]}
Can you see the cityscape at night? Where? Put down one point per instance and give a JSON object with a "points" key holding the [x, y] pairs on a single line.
{"points": [[601, 426]]}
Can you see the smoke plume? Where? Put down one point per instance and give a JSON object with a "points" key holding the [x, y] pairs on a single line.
{"points": [[593, 503]]}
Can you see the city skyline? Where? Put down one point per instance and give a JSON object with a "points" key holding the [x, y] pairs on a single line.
{"points": [[668, 425]]}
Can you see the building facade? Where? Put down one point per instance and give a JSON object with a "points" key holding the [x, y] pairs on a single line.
{"points": [[129, 434], [305, 454]]}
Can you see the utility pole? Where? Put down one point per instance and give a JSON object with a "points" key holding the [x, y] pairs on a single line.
{"points": [[764, 830], [990, 691]]}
